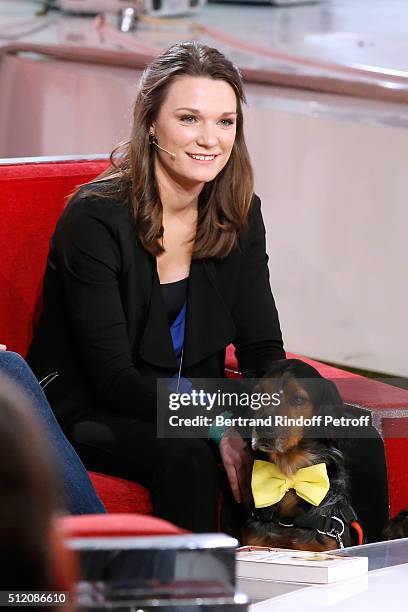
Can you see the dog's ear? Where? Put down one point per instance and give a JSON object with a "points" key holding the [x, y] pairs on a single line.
{"points": [[329, 403], [329, 398]]}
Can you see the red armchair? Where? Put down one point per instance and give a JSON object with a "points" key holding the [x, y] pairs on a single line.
{"points": [[32, 195], [32, 198]]}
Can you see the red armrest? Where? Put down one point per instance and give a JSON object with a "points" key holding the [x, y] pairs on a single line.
{"points": [[115, 525]]}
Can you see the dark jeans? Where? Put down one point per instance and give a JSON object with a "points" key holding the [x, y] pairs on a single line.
{"points": [[80, 495]]}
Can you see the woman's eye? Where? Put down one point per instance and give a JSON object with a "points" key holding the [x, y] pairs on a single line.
{"points": [[226, 122], [188, 119]]}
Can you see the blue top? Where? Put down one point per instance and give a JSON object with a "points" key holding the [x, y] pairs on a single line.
{"points": [[177, 330]]}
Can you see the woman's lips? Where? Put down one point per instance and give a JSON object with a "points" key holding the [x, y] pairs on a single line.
{"points": [[202, 159]]}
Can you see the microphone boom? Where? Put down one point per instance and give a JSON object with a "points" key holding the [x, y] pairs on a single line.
{"points": [[172, 155]]}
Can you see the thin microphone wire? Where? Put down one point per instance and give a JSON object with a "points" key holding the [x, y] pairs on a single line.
{"points": [[172, 155]]}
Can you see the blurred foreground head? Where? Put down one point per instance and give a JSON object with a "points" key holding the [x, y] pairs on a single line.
{"points": [[30, 551]]}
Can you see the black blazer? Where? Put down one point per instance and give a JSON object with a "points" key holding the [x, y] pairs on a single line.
{"points": [[104, 326]]}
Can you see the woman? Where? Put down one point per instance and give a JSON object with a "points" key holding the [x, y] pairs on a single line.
{"points": [[154, 269], [77, 492]]}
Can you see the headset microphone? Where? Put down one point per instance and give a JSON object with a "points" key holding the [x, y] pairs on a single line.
{"points": [[172, 155]]}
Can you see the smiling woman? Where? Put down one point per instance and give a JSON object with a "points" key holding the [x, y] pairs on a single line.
{"points": [[200, 143], [154, 268], [202, 132]]}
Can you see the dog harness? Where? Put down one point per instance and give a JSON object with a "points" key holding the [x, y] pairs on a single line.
{"points": [[331, 524]]}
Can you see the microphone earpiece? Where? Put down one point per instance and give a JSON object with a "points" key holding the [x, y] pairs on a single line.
{"points": [[153, 141]]}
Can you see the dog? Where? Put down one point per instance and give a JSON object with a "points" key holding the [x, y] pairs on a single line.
{"points": [[281, 452]]}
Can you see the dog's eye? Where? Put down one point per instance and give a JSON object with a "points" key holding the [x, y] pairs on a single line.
{"points": [[297, 400]]}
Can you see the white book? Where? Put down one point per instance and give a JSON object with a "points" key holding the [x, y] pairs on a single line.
{"points": [[260, 590], [297, 565]]}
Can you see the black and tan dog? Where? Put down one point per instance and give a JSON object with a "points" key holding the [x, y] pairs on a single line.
{"points": [[300, 481]]}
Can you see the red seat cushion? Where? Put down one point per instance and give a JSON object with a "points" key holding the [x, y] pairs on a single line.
{"points": [[115, 525], [120, 495]]}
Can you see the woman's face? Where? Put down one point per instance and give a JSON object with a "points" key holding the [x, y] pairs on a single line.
{"points": [[197, 123]]}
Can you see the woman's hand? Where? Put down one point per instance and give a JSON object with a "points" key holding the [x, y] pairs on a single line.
{"points": [[3, 347], [237, 461]]}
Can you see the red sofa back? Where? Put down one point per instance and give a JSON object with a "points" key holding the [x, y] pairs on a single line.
{"points": [[32, 196]]}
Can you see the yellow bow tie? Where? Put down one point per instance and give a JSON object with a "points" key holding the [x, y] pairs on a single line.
{"points": [[269, 485]]}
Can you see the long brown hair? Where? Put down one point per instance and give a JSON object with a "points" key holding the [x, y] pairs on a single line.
{"points": [[224, 202]]}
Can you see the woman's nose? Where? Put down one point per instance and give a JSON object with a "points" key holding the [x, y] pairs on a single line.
{"points": [[207, 137]]}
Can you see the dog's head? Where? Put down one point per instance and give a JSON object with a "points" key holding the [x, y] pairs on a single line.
{"points": [[304, 395]]}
